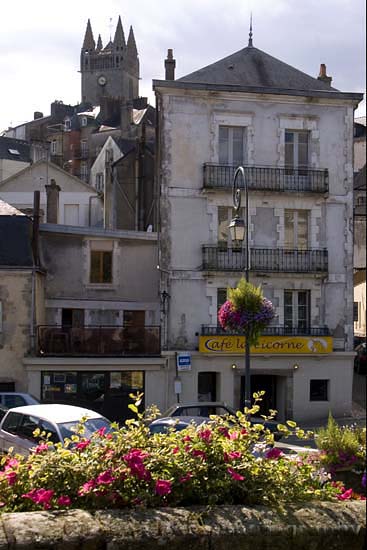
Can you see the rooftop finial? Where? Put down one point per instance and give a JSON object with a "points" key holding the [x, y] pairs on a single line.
{"points": [[250, 33]]}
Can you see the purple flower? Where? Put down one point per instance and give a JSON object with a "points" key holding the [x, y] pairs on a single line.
{"points": [[163, 487], [363, 482]]}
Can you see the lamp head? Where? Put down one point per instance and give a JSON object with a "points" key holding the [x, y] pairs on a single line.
{"points": [[237, 230]]}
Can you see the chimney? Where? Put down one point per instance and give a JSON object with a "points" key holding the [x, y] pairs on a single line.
{"points": [[323, 76], [170, 65], [52, 210], [36, 218], [126, 117], [37, 114]]}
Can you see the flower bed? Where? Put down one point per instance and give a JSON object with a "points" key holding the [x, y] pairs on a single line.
{"points": [[223, 462]]}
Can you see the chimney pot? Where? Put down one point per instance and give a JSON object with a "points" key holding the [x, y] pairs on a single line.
{"points": [[52, 194], [170, 65], [323, 75], [37, 114]]}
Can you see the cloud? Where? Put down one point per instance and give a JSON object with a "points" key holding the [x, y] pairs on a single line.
{"points": [[40, 50]]}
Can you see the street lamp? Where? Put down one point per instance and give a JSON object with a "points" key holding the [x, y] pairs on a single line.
{"points": [[239, 230]]}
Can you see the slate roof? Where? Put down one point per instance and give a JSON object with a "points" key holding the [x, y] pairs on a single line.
{"points": [[252, 70], [9, 146], [15, 237], [253, 67]]}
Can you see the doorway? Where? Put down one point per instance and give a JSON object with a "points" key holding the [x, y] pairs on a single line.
{"points": [[207, 386], [262, 382]]}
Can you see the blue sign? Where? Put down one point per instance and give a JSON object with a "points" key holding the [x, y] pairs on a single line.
{"points": [[183, 361]]}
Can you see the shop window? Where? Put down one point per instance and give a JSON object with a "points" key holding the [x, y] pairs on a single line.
{"points": [[319, 390], [101, 266]]}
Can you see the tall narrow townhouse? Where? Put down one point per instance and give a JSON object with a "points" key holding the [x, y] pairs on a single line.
{"points": [[294, 135]]}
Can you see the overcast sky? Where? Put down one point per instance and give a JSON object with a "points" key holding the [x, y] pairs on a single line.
{"points": [[40, 42]]}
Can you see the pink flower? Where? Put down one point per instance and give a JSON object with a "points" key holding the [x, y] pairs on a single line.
{"points": [[234, 435], [224, 431], [87, 487], [11, 477], [186, 477], [175, 450], [134, 460], [347, 495], [82, 444], [244, 432], [197, 452], [101, 432], [232, 455], [105, 478], [41, 448], [273, 453], [12, 463], [235, 475], [64, 501], [205, 435], [163, 487], [40, 496], [186, 438]]}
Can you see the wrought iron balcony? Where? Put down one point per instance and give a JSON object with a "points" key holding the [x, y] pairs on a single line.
{"points": [[217, 258], [97, 341], [266, 178], [212, 330]]}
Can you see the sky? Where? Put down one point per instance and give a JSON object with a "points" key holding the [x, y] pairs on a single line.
{"points": [[40, 42]]}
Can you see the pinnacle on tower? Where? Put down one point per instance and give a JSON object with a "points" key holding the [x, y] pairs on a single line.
{"points": [[119, 40], [131, 44], [99, 43], [89, 43]]}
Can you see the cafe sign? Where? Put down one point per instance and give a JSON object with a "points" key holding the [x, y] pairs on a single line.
{"points": [[267, 344]]}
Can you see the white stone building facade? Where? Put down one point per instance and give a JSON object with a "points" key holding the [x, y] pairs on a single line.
{"points": [[294, 135]]}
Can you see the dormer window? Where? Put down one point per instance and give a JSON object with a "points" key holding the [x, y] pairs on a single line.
{"points": [[67, 124], [84, 121]]}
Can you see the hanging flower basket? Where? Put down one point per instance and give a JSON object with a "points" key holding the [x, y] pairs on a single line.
{"points": [[246, 311]]}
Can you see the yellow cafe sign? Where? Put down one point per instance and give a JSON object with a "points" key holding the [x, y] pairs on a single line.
{"points": [[267, 344]]}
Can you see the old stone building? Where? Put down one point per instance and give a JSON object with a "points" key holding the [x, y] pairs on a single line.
{"points": [[294, 135]]}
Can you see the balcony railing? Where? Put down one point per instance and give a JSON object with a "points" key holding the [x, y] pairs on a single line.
{"points": [[98, 341], [212, 330], [216, 258], [264, 178]]}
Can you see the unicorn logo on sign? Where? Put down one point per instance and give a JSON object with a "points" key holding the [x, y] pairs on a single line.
{"points": [[316, 345]]}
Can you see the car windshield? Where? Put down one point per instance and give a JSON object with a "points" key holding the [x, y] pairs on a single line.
{"points": [[165, 428], [91, 425]]}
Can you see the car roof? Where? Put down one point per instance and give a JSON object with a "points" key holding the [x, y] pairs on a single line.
{"points": [[201, 404], [181, 419], [56, 413], [16, 393]]}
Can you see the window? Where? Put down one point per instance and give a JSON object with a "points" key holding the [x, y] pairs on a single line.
{"points": [[221, 297], [27, 426], [13, 151], [83, 171], [297, 310], [101, 266], [53, 147], [11, 401], [100, 182], [296, 228], [296, 152], [232, 145], [67, 124], [319, 390], [84, 121], [12, 422], [84, 148], [355, 312]]}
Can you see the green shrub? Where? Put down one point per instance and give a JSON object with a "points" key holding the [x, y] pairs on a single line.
{"points": [[223, 462]]}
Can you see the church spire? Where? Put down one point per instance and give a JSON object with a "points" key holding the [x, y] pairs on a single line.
{"points": [[250, 45], [119, 40], [89, 43], [131, 44], [99, 43]]}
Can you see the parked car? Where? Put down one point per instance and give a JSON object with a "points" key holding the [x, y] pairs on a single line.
{"points": [[18, 425], [208, 408], [360, 360], [3, 411], [163, 425], [10, 399]]}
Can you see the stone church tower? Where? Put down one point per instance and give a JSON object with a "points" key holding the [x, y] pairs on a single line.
{"points": [[110, 71]]}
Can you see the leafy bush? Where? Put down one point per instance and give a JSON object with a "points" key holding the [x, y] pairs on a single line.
{"points": [[227, 461], [343, 447]]}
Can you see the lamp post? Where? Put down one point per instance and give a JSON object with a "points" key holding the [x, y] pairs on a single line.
{"points": [[239, 230]]}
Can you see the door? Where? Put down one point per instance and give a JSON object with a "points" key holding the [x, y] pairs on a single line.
{"points": [[261, 382], [207, 386]]}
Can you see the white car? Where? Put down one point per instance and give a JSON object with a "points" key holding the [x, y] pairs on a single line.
{"points": [[18, 425]]}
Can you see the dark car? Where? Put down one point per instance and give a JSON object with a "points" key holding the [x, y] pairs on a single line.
{"points": [[178, 423], [206, 409], [360, 360]]}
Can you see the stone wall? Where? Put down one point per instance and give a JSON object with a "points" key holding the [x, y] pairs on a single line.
{"points": [[313, 526]]}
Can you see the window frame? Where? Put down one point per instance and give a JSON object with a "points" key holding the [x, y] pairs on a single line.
{"points": [[295, 305], [321, 398], [230, 145], [101, 254], [296, 226], [295, 164]]}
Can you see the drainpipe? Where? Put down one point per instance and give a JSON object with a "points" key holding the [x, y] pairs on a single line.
{"points": [[35, 249]]}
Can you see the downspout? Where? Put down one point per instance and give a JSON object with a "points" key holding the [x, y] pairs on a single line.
{"points": [[35, 250]]}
